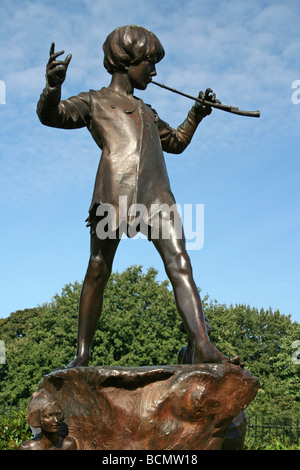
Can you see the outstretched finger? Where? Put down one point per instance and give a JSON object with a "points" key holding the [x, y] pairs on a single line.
{"points": [[68, 59], [54, 56], [52, 47]]}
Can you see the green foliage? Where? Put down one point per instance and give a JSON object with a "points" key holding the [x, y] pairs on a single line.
{"points": [[263, 339], [37, 346], [139, 326], [14, 430], [275, 444]]}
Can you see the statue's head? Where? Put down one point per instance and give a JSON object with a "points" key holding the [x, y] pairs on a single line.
{"points": [[44, 411], [130, 45]]}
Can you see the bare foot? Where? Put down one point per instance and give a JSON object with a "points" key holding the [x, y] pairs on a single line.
{"points": [[79, 361], [236, 360], [209, 354]]}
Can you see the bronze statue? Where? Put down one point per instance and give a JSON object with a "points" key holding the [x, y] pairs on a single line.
{"points": [[45, 412], [171, 407], [131, 174]]}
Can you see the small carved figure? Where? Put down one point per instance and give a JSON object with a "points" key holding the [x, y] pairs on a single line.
{"points": [[45, 412]]}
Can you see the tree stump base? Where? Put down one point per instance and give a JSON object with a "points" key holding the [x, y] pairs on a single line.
{"points": [[180, 407]]}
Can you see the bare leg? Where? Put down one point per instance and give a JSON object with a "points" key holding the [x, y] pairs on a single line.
{"points": [[91, 299], [188, 301]]}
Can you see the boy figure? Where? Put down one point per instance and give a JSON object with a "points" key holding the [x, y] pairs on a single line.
{"points": [[132, 168]]}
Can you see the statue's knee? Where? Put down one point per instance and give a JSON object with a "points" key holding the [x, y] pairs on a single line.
{"points": [[180, 265], [98, 270]]}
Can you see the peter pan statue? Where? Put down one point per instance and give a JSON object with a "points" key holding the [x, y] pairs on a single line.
{"points": [[131, 174]]}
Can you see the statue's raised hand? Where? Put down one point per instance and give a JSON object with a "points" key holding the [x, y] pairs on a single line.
{"points": [[56, 69]]}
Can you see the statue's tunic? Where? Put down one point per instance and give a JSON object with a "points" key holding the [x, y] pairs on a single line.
{"points": [[132, 170]]}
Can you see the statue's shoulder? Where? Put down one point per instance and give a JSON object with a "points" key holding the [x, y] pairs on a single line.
{"points": [[31, 444], [69, 443], [104, 96]]}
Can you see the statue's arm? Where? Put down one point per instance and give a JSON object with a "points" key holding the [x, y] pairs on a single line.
{"points": [[176, 140], [68, 114], [72, 113]]}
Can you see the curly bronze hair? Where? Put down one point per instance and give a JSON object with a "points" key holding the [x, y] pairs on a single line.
{"points": [[130, 45]]}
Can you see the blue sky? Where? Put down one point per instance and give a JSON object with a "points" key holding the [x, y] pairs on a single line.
{"points": [[244, 171]]}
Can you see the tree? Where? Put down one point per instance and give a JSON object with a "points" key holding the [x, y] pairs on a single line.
{"points": [[140, 322], [39, 345], [264, 340], [139, 326]]}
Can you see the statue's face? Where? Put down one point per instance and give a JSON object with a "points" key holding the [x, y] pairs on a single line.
{"points": [[141, 75], [51, 418]]}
